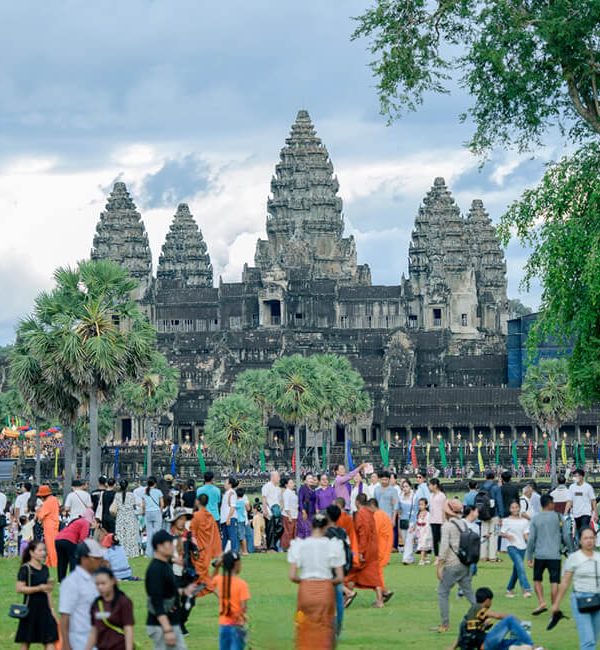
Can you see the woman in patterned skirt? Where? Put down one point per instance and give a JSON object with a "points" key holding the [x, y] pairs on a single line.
{"points": [[127, 527]]}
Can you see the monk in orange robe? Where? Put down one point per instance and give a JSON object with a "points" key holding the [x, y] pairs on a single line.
{"points": [[48, 516], [345, 522], [367, 575], [385, 540], [207, 537]]}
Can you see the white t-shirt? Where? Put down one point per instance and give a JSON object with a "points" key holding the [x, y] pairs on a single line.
{"points": [[2, 502], [585, 570], [272, 494], [581, 497], [518, 528], [138, 495], [77, 502], [229, 501], [77, 593], [316, 557], [290, 504], [370, 489], [560, 494], [21, 503]]}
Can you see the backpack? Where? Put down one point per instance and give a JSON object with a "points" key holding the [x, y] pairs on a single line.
{"points": [[469, 545], [483, 503], [339, 533], [470, 639]]}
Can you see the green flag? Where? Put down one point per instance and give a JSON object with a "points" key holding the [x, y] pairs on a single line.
{"points": [[443, 459], [385, 453], [263, 461], [515, 456], [324, 457], [461, 455], [201, 459], [497, 453], [145, 464], [582, 454]]}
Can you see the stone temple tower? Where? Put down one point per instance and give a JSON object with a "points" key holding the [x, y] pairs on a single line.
{"points": [[304, 221], [184, 261], [121, 237]]}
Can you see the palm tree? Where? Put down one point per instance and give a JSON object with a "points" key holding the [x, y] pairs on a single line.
{"points": [[547, 399], [254, 384], [234, 429], [95, 334], [150, 397]]}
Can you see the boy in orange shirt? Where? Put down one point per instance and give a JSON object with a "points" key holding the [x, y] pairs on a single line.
{"points": [[233, 596]]}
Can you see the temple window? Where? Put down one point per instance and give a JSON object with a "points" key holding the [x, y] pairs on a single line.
{"points": [[412, 321], [463, 320], [437, 317]]}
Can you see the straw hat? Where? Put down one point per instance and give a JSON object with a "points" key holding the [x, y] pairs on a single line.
{"points": [[454, 508]]}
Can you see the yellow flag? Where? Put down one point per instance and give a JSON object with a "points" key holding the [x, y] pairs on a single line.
{"points": [[480, 457], [563, 452], [56, 463], [428, 448]]}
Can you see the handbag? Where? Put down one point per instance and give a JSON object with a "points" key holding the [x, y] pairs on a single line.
{"points": [[114, 508], [589, 604], [21, 611], [405, 523]]}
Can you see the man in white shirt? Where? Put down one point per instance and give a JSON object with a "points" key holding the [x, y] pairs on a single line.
{"points": [[525, 502], [290, 514], [560, 495], [77, 593], [77, 501], [22, 499], [271, 496], [373, 485], [582, 501]]}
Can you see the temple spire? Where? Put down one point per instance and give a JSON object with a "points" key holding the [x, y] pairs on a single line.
{"points": [[184, 261]]}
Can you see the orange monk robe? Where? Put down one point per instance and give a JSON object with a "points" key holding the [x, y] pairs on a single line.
{"points": [[385, 537], [368, 574], [48, 516], [345, 522], [206, 535]]}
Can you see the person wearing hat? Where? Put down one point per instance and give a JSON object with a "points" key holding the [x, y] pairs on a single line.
{"points": [[450, 570], [48, 515], [77, 594], [183, 552], [74, 533]]}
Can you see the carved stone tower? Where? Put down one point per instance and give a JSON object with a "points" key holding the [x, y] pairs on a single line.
{"points": [[121, 237], [184, 261]]}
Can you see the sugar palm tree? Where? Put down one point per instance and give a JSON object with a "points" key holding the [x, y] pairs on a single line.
{"points": [[254, 384], [547, 398], [234, 429]]}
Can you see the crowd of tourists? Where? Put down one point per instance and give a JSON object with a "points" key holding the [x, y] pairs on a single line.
{"points": [[339, 532]]}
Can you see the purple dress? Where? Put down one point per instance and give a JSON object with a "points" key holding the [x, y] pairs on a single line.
{"points": [[306, 503], [325, 497]]}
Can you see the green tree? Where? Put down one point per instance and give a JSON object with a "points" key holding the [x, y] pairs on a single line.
{"points": [[547, 399], [527, 65], [234, 429], [95, 334], [150, 397], [254, 385]]}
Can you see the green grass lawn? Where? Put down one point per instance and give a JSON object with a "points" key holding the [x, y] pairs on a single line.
{"points": [[404, 623]]}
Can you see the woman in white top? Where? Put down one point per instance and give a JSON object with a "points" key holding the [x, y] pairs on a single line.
{"points": [[582, 568], [290, 514], [515, 529], [316, 565], [228, 520]]}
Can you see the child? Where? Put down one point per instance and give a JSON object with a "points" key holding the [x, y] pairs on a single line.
{"points": [[258, 524], [233, 596], [423, 532], [26, 524], [242, 506]]}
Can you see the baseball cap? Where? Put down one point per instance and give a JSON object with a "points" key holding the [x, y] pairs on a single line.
{"points": [[161, 537]]}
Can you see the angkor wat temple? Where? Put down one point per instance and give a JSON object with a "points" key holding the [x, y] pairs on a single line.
{"points": [[431, 349]]}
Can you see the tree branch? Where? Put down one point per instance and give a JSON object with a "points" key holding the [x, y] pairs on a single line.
{"points": [[592, 120]]}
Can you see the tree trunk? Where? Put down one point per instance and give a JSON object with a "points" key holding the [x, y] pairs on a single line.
{"points": [[553, 441], [150, 439], [68, 459], [94, 444], [297, 453]]}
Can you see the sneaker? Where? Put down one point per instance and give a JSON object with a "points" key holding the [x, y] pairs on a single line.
{"points": [[511, 594], [422, 563], [527, 594]]}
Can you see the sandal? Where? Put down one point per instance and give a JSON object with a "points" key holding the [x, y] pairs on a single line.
{"points": [[387, 596], [539, 610], [349, 600]]}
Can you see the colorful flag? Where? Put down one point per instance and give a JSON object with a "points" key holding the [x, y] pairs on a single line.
{"points": [[461, 454], [563, 452], [409, 452], [582, 454], [173, 460], [548, 445], [530, 453], [201, 462], [427, 454], [480, 457], [294, 461], [324, 457], [443, 459], [116, 468], [56, 463], [385, 452], [349, 454], [263, 461], [515, 455], [413, 453], [497, 453]]}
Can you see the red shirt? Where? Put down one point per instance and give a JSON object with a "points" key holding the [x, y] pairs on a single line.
{"points": [[77, 531], [119, 614]]}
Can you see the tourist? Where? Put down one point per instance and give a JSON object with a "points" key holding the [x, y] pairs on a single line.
{"points": [[48, 516], [525, 501], [582, 569], [112, 615], [387, 497], [543, 551], [152, 508], [126, 523], [33, 581], [77, 593], [490, 505], [234, 594], [469, 499], [421, 491], [385, 540], [103, 511], [184, 553], [560, 494], [289, 514], [207, 538], [116, 557], [242, 506], [272, 499], [21, 509], [97, 493], [475, 631], [325, 493], [228, 520], [510, 493], [77, 501], [341, 483], [437, 507], [358, 487], [450, 570], [259, 528], [536, 506], [372, 486], [67, 540], [582, 501], [335, 531], [515, 529], [213, 493], [188, 498], [307, 506], [163, 621], [407, 514], [312, 562], [422, 532], [367, 575]]}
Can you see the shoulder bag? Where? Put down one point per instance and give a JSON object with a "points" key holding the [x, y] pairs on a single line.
{"points": [[21, 611], [589, 604], [405, 523], [112, 626]]}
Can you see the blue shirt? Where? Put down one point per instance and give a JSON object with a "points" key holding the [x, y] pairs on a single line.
{"points": [[422, 492], [496, 494], [214, 498], [387, 499], [240, 510], [152, 500], [469, 499]]}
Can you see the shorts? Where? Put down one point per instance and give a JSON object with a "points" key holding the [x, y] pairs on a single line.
{"points": [[241, 527], [553, 566]]}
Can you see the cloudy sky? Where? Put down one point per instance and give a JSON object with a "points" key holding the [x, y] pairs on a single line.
{"points": [[191, 101]]}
